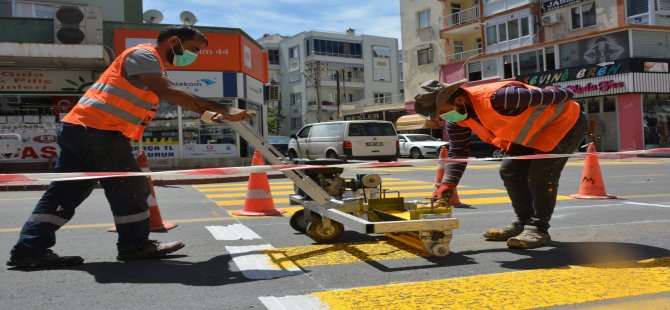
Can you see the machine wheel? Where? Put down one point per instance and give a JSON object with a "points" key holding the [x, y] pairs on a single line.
{"points": [[316, 231], [415, 153], [440, 249], [331, 154], [498, 154], [299, 221]]}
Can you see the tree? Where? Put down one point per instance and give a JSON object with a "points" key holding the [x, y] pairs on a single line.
{"points": [[275, 119]]}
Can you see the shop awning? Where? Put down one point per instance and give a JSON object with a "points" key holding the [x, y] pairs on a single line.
{"points": [[342, 64], [62, 56], [415, 122]]}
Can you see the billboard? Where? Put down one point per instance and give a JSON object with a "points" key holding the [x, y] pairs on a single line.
{"points": [[595, 50]]}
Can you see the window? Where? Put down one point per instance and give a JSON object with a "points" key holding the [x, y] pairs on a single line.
{"points": [[531, 62], [304, 133], [294, 52], [491, 35], [296, 98], [513, 29], [551, 61], [525, 27], [294, 76], [273, 56], [425, 56], [637, 7], [475, 71], [327, 130], [478, 43], [423, 19], [337, 49], [371, 129], [381, 51], [458, 50], [583, 15], [510, 64], [490, 67], [502, 31], [382, 97]]}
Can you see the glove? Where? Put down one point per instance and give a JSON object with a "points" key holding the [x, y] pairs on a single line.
{"points": [[445, 191]]}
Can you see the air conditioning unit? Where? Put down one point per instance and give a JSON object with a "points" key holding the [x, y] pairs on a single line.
{"points": [[77, 24], [550, 19]]}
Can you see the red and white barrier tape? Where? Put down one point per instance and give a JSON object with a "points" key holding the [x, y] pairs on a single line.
{"points": [[233, 171]]}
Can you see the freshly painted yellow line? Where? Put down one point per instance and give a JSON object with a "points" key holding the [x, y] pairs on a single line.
{"points": [[404, 182], [289, 211], [238, 188], [240, 202], [525, 289], [492, 200], [644, 196], [342, 253], [81, 226], [10, 199], [244, 194], [238, 184]]}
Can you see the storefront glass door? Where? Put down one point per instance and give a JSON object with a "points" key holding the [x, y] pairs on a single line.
{"points": [[603, 122]]}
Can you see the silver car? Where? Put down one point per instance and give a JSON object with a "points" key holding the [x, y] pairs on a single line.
{"points": [[420, 145]]}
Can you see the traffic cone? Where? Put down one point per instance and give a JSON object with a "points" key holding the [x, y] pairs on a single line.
{"points": [[156, 223], [455, 201], [259, 197], [592, 186]]}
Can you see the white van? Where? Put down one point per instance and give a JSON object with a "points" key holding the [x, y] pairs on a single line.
{"points": [[376, 140]]}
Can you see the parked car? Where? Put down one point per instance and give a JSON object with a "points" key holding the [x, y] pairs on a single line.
{"points": [[479, 148], [420, 145], [280, 143], [346, 140]]}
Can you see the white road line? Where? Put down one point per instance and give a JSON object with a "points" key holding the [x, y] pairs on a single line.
{"points": [[301, 302], [254, 264], [646, 204], [232, 232]]}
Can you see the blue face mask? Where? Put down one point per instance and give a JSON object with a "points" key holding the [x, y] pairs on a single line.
{"points": [[186, 58], [453, 116]]}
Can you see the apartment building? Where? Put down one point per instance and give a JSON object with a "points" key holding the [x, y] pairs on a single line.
{"points": [[613, 53], [313, 67]]}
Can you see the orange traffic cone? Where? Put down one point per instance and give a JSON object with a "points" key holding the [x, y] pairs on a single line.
{"points": [[259, 198], [156, 223], [592, 186], [455, 201]]}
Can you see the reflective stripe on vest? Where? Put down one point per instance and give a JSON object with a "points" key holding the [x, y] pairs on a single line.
{"points": [[122, 114], [123, 94], [48, 218], [134, 218]]}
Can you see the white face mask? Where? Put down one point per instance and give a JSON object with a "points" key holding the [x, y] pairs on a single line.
{"points": [[186, 58]]}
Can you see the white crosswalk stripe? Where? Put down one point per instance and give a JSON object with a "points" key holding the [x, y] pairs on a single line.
{"points": [[232, 232]]}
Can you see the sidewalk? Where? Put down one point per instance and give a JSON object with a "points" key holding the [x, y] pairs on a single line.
{"points": [[157, 180]]}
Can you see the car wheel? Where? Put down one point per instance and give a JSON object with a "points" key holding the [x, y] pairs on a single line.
{"points": [[498, 154], [292, 154], [331, 154], [415, 153]]}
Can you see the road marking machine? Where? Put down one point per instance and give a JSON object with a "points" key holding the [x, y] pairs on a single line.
{"points": [[368, 208]]}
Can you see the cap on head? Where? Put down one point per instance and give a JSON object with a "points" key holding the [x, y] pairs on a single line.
{"points": [[432, 95]]}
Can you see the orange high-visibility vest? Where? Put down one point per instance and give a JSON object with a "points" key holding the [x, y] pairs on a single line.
{"points": [[540, 127], [113, 103]]}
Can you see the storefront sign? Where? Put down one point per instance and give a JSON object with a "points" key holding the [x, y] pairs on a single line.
{"points": [[45, 81], [379, 115], [577, 73], [202, 83], [37, 144], [557, 4], [209, 150], [604, 86], [254, 89], [158, 151]]}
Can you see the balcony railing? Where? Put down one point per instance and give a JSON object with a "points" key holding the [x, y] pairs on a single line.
{"points": [[461, 17], [462, 55]]}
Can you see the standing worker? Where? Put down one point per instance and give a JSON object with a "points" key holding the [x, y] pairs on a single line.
{"points": [[94, 137], [521, 120]]}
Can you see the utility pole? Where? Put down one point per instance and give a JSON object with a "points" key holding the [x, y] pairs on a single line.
{"points": [[337, 77], [344, 87], [314, 76]]}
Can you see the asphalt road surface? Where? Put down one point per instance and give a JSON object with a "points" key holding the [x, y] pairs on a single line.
{"points": [[605, 253]]}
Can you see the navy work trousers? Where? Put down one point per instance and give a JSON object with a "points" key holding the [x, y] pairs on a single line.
{"points": [[532, 185], [85, 149]]}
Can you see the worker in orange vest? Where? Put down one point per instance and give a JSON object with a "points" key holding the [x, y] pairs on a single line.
{"points": [[521, 120], [94, 137]]}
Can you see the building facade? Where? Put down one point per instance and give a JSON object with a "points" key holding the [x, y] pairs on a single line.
{"points": [[613, 53], [314, 67], [52, 51]]}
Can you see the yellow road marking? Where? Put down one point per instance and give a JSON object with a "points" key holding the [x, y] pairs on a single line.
{"points": [[289, 211], [239, 188], [244, 194], [547, 287], [81, 226], [240, 202], [238, 184], [342, 253]]}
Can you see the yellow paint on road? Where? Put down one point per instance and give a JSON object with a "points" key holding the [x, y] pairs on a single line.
{"points": [[236, 184], [342, 253], [240, 202], [243, 193], [514, 290], [241, 187], [289, 211], [82, 226]]}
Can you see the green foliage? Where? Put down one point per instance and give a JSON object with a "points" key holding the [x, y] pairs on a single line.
{"points": [[275, 120]]}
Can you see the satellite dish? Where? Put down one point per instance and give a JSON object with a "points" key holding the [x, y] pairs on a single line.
{"points": [[152, 17], [188, 18]]}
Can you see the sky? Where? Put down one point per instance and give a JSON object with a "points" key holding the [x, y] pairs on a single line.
{"points": [[288, 17]]}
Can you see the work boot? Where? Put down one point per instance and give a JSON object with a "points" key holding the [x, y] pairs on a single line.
{"points": [[530, 238], [45, 260], [154, 249], [502, 234]]}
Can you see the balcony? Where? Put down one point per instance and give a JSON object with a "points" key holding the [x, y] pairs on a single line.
{"points": [[461, 56], [396, 102], [463, 22]]}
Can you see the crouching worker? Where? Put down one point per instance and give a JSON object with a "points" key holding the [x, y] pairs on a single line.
{"points": [[94, 137], [521, 120]]}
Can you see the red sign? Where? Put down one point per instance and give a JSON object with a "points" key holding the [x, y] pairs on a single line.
{"points": [[225, 52]]}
